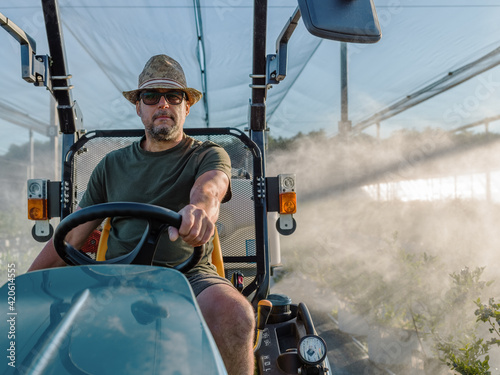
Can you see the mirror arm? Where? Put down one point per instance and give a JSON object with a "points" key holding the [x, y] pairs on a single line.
{"points": [[276, 64], [34, 68], [289, 28]]}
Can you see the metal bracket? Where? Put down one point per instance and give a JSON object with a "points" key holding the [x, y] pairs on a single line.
{"points": [[42, 231], [42, 71], [276, 64], [286, 221], [273, 75], [42, 228]]}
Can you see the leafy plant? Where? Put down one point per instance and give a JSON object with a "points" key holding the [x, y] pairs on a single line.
{"points": [[490, 314], [465, 352], [466, 358]]}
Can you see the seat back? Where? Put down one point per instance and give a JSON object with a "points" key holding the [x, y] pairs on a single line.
{"points": [[240, 223]]}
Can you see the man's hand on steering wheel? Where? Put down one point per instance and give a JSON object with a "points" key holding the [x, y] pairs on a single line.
{"points": [[158, 219], [196, 228]]}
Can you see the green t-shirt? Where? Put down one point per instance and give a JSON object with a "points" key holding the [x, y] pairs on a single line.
{"points": [[165, 179]]}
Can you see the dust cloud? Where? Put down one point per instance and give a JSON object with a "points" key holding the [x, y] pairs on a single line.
{"points": [[386, 261], [415, 264]]}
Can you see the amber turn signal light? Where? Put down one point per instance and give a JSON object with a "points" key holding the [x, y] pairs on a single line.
{"points": [[37, 209], [37, 200], [288, 203]]}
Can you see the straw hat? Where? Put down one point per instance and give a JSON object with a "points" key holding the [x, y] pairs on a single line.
{"points": [[163, 72]]}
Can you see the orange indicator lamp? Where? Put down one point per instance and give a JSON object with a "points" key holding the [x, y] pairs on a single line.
{"points": [[288, 203]]}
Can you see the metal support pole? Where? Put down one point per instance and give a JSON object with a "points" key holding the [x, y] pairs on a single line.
{"points": [[488, 186], [60, 78], [488, 174], [345, 126], [378, 183], [53, 134], [258, 129], [259, 90]]}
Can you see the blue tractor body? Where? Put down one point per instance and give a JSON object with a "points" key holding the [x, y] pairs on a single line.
{"points": [[119, 319]]}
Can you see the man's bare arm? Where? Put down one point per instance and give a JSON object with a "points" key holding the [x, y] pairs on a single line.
{"points": [[199, 217], [48, 257]]}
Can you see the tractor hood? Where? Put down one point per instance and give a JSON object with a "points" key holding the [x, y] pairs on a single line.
{"points": [[109, 320]]}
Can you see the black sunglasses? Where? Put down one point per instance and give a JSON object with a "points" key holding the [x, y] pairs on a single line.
{"points": [[153, 97]]}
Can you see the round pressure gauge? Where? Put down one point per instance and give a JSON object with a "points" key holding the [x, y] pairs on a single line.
{"points": [[312, 349]]}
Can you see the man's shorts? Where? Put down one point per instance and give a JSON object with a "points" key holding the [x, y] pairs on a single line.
{"points": [[201, 281]]}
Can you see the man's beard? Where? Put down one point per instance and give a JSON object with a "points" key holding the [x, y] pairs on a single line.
{"points": [[164, 133]]}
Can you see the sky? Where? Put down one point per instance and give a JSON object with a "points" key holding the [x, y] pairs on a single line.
{"points": [[107, 46]]}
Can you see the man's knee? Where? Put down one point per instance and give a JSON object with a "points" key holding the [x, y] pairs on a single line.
{"points": [[225, 303], [231, 320], [243, 315]]}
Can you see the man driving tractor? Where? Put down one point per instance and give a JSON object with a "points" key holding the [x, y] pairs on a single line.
{"points": [[170, 169]]}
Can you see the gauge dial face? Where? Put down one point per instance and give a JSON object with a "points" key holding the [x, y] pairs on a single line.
{"points": [[312, 349]]}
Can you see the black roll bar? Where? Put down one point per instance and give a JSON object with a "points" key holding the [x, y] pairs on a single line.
{"points": [[70, 118]]}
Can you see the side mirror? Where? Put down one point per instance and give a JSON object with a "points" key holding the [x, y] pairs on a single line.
{"points": [[352, 21]]}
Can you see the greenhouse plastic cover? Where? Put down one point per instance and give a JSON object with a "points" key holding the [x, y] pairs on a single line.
{"points": [[108, 42]]}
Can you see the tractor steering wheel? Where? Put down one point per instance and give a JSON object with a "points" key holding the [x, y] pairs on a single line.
{"points": [[158, 219]]}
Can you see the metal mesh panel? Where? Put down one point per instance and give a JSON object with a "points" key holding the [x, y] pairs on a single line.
{"points": [[87, 157], [236, 224]]}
